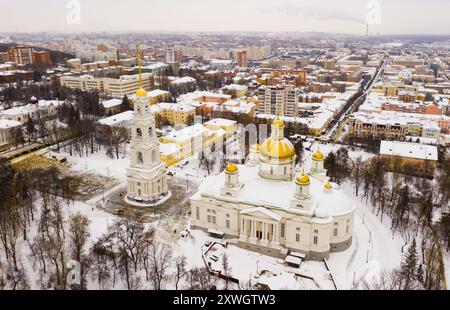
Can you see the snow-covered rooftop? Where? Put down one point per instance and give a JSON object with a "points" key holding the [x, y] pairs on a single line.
{"points": [[410, 150], [117, 118], [5, 124], [111, 103], [261, 192]]}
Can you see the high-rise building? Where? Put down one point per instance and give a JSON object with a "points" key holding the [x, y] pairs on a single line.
{"points": [[170, 56], [282, 100], [241, 59], [42, 57], [22, 55]]}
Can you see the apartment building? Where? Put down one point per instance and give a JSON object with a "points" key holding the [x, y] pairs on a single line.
{"points": [[392, 125], [22, 55], [174, 113], [117, 88], [241, 59], [278, 100]]}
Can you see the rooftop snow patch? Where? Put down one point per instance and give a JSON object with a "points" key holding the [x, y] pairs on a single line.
{"points": [[410, 150]]}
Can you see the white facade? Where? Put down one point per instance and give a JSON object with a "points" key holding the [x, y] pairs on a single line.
{"points": [[147, 180]]}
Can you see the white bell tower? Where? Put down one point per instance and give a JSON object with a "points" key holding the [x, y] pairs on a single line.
{"points": [[147, 179]]}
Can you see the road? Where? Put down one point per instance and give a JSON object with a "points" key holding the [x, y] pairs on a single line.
{"points": [[27, 148], [333, 131]]}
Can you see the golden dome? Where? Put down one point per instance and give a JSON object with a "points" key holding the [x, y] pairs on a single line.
{"points": [[278, 122], [231, 168], [318, 155], [278, 148], [303, 179], [255, 148], [328, 185], [141, 92]]}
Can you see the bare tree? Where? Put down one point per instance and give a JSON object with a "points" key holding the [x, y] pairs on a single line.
{"points": [[180, 270], [78, 236], [160, 257], [226, 269], [200, 279]]}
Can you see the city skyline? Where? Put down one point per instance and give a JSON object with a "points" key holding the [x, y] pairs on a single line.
{"points": [[347, 17]]}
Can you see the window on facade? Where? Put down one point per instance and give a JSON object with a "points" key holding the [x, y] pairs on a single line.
{"points": [[285, 170], [139, 133], [346, 229], [316, 239], [197, 213], [227, 223], [228, 215], [316, 231], [335, 232], [271, 170], [150, 132], [282, 230], [140, 158], [213, 219], [297, 237], [209, 218]]}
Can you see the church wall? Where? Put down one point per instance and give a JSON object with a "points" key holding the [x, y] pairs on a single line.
{"points": [[219, 212], [303, 229], [342, 222]]}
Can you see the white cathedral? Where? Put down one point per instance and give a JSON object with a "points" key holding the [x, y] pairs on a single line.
{"points": [[147, 179], [266, 208]]}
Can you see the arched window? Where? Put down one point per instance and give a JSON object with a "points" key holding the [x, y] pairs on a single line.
{"points": [[150, 131], [139, 133], [140, 158], [271, 170], [153, 156], [285, 170]]}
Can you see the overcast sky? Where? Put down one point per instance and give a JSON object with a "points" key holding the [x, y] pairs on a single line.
{"points": [[345, 16]]}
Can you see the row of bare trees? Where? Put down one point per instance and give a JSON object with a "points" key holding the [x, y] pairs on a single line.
{"points": [[410, 204], [41, 246]]}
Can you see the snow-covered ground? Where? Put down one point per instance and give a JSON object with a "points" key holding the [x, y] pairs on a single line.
{"points": [[373, 249]]}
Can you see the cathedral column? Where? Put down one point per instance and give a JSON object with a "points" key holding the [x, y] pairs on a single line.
{"points": [[276, 239], [264, 231], [242, 231], [264, 240], [252, 229]]}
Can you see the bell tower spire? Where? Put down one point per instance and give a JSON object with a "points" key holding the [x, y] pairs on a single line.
{"points": [[141, 91]]}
